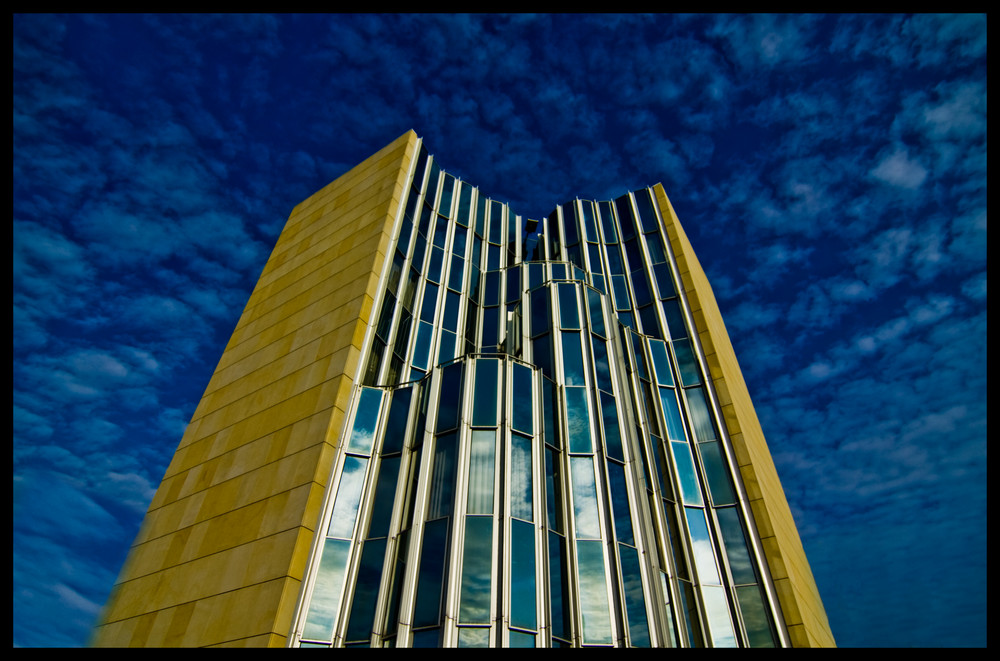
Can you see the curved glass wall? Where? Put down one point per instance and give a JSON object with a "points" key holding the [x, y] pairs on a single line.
{"points": [[531, 458]]}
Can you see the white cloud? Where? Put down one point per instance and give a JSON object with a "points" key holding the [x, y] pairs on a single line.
{"points": [[899, 169]]}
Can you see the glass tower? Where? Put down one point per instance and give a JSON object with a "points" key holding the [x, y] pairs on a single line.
{"points": [[438, 423], [534, 454]]}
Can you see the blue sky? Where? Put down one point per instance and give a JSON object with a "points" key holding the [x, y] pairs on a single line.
{"points": [[829, 170]]}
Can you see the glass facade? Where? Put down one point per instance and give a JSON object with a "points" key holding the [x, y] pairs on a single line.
{"points": [[533, 456]]}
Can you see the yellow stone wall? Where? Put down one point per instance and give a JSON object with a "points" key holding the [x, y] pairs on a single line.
{"points": [[805, 617], [221, 554]]}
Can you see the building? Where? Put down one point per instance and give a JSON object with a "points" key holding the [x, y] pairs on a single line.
{"points": [[440, 423]]}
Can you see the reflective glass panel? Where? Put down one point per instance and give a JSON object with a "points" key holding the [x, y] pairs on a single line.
{"points": [[658, 350], [484, 411], [612, 432], [520, 477], [434, 266], [675, 320], [451, 389], [620, 291], [558, 603], [474, 637], [578, 420], [635, 602], [588, 526], [686, 364], [432, 557], [541, 353], [602, 368], [482, 456], [672, 414], [359, 627], [427, 638], [596, 313], [704, 430], [690, 491], [572, 359], [385, 497], [539, 311], [443, 478], [553, 489], [701, 547], [366, 421], [521, 639], [756, 619], [736, 545], [568, 315], [522, 391], [399, 411], [716, 474], [457, 273], [422, 346], [522, 575], [720, 625], [619, 502], [325, 600], [345, 510], [447, 346], [477, 561], [665, 283], [593, 593]]}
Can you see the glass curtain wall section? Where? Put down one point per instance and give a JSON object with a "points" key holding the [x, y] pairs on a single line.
{"points": [[533, 457]]}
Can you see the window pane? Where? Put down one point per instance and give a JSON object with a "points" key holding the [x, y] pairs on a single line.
{"points": [[451, 389], [558, 603], [736, 546], [482, 457], [596, 313], [661, 363], [325, 600], [443, 478], [593, 593], [345, 510], [366, 591], [366, 421], [717, 475], [704, 430], [477, 561], [635, 602], [701, 547], [720, 625], [474, 637], [578, 420], [520, 477], [588, 525], [686, 363], [385, 497], [522, 391], [572, 359], [675, 428], [601, 365], [755, 617], [484, 412], [612, 433], [619, 502], [553, 490], [569, 316], [432, 557], [395, 431], [522, 575], [521, 639], [690, 490]]}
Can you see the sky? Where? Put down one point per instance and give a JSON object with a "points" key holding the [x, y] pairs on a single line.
{"points": [[829, 170]]}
